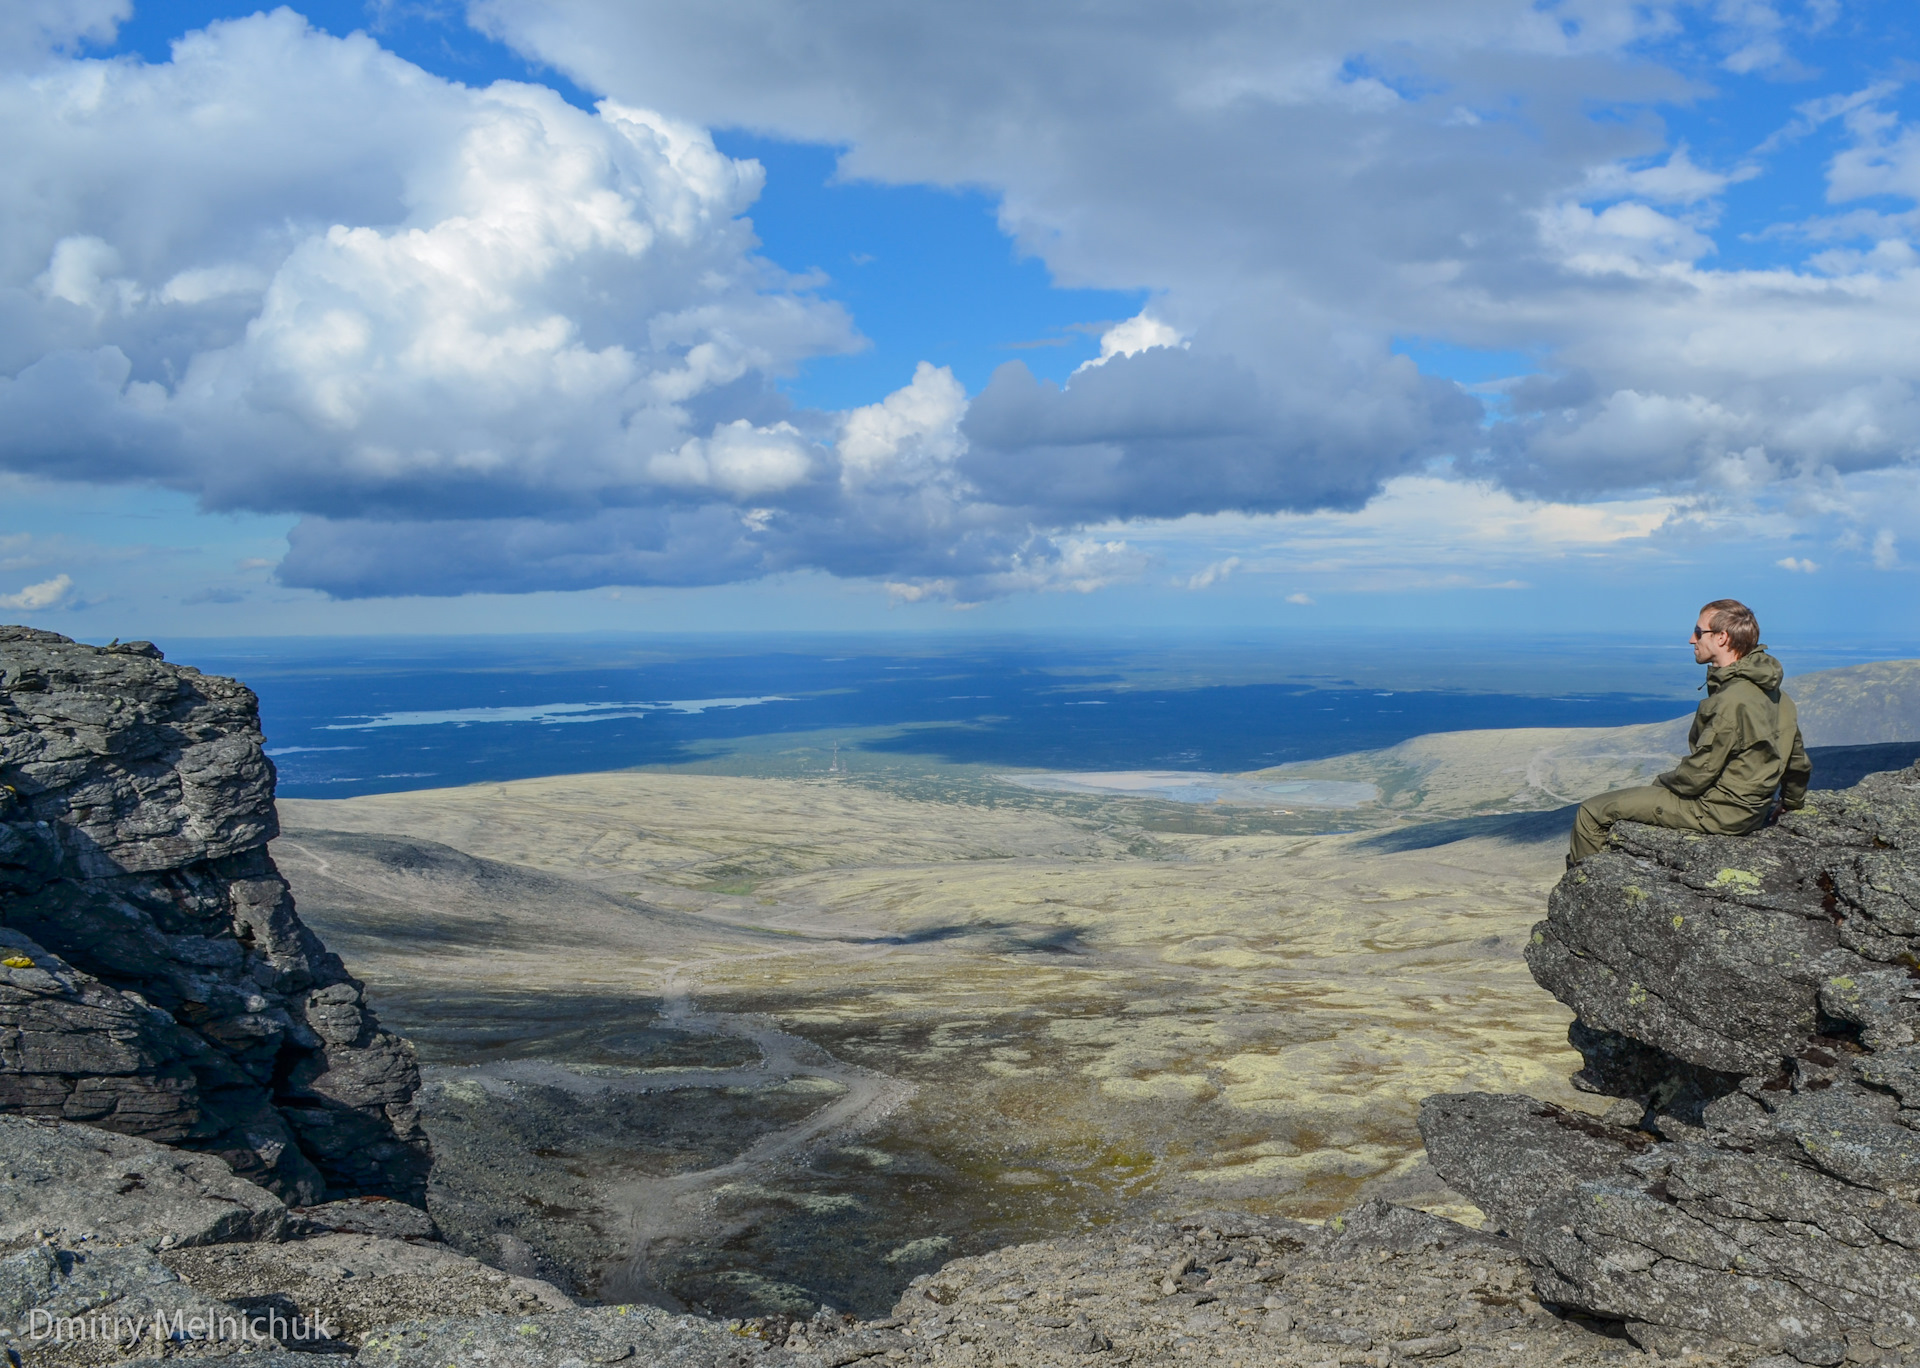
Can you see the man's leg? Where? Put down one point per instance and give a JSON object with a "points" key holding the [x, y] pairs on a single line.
{"points": [[1654, 805]]}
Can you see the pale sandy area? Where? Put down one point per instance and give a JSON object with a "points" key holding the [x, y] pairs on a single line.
{"points": [[1188, 786], [1525, 768], [1245, 1019]]}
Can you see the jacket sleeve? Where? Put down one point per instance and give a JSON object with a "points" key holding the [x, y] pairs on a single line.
{"points": [[1793, 785], [1712, 748]]}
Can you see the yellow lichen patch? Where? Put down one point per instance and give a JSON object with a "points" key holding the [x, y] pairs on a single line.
{"points": [[1159, 1088], [1359, 1160], [1215, 952], [1353, 1083], [867, 1155], [1739, 880], [813, 1203], [1264, 1149], [763, 1291], [919, 1251], [1463, 1211]]}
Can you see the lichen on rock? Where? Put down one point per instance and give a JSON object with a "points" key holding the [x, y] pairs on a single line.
{"points": [[1753, 1002]]}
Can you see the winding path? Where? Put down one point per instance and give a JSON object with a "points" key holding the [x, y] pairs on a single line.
{"points": [[661, 1213]]}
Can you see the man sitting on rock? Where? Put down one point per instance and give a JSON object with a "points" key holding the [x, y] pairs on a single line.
{"points": [[1745, 746]]}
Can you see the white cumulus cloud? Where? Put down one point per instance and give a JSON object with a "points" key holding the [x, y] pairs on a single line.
{"points": [[1132, 336], [910, 436], [1300, 183], [29, 29], [35, 597], [292, 273], [738, 459], [481, 339]]}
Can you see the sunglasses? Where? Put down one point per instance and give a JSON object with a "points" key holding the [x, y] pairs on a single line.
{"points": [[1711, 631]]}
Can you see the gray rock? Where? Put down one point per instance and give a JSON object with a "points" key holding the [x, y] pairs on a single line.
{"points": [[259, 1358], [1755, 1000], [1540, 1150], [174, 991], [67, 1282], [367, 1216], [97, 1305], [1427, 1347], [71, 1180], [1375, 1225], [611, 1334], [1387, 1283], [357, 1284], [74, 1048]]}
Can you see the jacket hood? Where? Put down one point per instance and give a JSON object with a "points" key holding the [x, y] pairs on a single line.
{"points": [[1756, 666]]}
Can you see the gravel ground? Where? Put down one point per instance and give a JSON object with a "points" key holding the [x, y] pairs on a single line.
{"points": [[1387, 1285]]}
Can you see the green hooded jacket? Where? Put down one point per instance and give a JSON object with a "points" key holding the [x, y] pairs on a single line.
{"points": [[1745, 744]]}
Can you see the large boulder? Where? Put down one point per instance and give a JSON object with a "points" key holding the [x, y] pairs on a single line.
{"points": [[66, 1182], [160, 982], [1753, 1002], [355, 1285], [92, 1306]]}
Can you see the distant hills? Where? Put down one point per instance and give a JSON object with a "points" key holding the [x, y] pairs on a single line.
{"points": [[1861, 705], [1850, 717]]}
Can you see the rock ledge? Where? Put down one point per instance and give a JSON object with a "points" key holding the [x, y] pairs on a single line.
{"points": [[1753, 1002], [155, 979]]}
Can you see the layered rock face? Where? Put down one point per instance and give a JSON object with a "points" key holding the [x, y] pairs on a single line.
{"points": [[1754, 1003], [155, 979]]}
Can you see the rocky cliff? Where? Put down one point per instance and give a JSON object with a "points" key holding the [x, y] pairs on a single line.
{"points": [[1753, 1003], [155, 979]]}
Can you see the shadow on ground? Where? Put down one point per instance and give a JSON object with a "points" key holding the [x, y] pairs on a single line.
{"points": [[1839, 767], [1521, 828]]}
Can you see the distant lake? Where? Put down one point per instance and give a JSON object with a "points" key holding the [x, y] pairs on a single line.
{"points": [[372, 715]]}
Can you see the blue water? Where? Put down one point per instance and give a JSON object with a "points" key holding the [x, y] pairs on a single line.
{"points": [[358, 716]]}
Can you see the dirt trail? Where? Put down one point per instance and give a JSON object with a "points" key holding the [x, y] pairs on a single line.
{"points": [[661, 1213], [655, 1213]]}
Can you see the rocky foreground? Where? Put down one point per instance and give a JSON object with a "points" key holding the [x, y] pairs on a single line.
{"points": [[155, 979], [1753, 1001], [236, 1272], [208, 1146]]}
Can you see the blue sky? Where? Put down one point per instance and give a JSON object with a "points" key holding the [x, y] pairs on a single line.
{"points": [[849, 316]]}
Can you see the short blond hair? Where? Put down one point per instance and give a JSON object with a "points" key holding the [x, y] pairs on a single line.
{"points": [[1737, 620]]}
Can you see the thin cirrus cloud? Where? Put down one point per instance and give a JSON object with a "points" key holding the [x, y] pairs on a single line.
{"points": [[483, 340]]}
